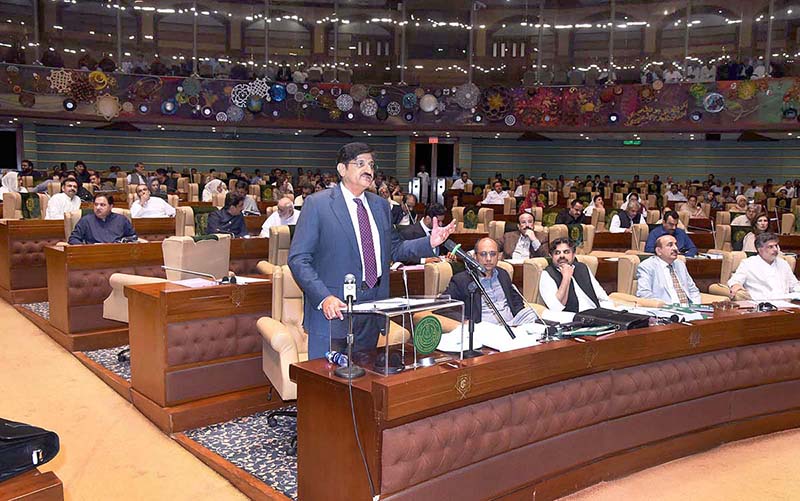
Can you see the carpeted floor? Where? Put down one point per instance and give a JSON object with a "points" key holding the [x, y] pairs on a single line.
{"points": [[109, 450], [252, 445], [756, 469], [108, 359], [41, 309]]}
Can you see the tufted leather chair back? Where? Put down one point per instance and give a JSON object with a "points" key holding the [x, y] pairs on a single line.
{"points": [[722, 237], [232, 184], [599, 219], [193, 192], [218, 199], [205, 256], [438, 276], [510, 205], [458, 215], [562, 231], [71, 219], [617, 199], [254, 190], [184, 221], [183, 184], [639, 234], [280, 238], [626, 274], [289, 305], [12, 205], [532, 270]]}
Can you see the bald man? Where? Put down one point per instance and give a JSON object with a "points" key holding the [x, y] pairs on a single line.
{"points": [[284, 216], [496, 282]]}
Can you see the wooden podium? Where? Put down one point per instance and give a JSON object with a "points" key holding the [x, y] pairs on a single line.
{"points": [[32, 486], [551, 419]]}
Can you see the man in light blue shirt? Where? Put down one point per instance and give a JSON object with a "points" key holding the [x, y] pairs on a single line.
{"points": [[665, 277]]}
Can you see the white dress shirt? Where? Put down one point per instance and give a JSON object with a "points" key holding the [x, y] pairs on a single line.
{"points": [[676, 197], [459, 184], [494, 198], [763, 280], [751, 192], [275, 219], [352, 208], [548, 288], [518, 191], [155, 207], [615, 225], [655, 281], [59, 204]]}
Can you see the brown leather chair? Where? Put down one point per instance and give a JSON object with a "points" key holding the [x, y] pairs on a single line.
{"points": [[12, 205], [280, 239], [254, 190], [599, 219], [206, 256], [639, 234], [561, 231]]}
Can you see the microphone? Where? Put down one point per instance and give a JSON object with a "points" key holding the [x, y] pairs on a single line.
{"points": [[250, 213], [349, 289], [455, 249]]}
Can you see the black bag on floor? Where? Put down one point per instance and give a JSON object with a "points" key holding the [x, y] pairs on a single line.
{"points": [[24, 447]]}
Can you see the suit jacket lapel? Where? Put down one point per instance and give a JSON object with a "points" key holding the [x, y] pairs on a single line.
{"points": [[382, 230], [339, 209]]}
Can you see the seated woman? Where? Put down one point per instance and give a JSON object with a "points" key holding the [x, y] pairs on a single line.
{"points": [[531, 201], [11, 183], [694, 209], [150, 206], [211, 187], [597, 202], [760, 225]]}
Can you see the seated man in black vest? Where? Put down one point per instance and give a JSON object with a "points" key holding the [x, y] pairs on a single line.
{"points": [[623, 220], [571, 215], [496, 282], [568, 285], [229, 218]]}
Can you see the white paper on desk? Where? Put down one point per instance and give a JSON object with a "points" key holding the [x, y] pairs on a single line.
{"points": [[780, 303], [195, 283], [249, 280], [558, 316], [514, 261], [495, 336], [612, 259], [412, 267]]}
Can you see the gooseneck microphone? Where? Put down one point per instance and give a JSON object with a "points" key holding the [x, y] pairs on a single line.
{"points": [[455, 249]]}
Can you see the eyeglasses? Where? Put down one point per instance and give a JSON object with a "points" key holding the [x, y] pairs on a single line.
{"points": [[486, 254], [361, 164]]}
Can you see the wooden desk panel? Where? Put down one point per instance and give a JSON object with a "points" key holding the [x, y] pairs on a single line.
{"points": [[386, 402], [33, 486], [103, 259], [23, 272], [254, 224], [201, 390], [467, 240], [616, 242]]}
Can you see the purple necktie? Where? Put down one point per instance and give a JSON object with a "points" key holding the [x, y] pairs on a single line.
{"points": [[367, 245]]}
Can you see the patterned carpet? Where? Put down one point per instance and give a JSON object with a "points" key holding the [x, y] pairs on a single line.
{"points": [[250, 444], [108, 359], [41, 309]]}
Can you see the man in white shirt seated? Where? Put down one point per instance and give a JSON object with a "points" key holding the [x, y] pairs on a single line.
{"points": [[567, 284], [250, 204], [787, 188], [284, 216], [624, 220], [461, 183], [752, 190], [66, 201], [496, 196], [748, 217], [675, 195], [150, 206], [765, 276], [666, 277]]}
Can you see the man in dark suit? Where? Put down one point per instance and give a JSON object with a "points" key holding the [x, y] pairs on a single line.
{"points": [[348, 230], [403, 214], [496, 282], [571, 215], [523, 242], [424, 225]]}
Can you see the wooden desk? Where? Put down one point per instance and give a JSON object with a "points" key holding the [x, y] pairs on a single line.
{"points": [[254, 224], [467, 240], [196, 353], [448, 431], [33, 486], [23, 271], [613, 242], [78, 284]]}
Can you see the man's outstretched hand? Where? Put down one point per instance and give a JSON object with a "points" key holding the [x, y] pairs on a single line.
{"points": [[441, 233]]}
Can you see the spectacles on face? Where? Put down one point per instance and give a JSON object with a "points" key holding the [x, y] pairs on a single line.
{"points": [[362, 164], [486, 254]]}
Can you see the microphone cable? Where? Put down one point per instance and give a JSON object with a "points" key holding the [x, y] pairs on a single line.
{"points": [[358, 438]]}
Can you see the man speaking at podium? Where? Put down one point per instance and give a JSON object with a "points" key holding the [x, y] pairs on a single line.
{"points": [[349, 230]]}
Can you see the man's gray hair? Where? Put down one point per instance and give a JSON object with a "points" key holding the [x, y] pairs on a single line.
{"points": [[763, 238]]}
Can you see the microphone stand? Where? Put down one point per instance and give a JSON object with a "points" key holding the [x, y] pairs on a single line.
{"points": [[350, 371], [473, 288]]}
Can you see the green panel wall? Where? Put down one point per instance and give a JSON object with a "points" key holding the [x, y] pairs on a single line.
{"points": [[680, 159], [48, 145]]}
